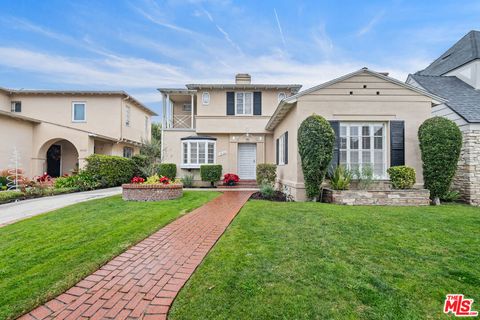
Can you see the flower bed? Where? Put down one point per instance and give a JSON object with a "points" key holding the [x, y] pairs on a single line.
{"points": [[393, 197], [151, 192]]}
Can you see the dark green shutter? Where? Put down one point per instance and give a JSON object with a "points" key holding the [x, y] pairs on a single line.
{"points": [[397, 143], [336, 146], [276, 150], [257, 103], [230, 103], [286, 147]]}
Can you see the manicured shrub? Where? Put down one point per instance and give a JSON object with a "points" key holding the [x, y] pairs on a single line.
{"points": [[266, 173], [401, 177], [316, 139], [7, 196], [168, 170], [341, 178], [440, 143], [187, 181], [211, 173], [110, 171], [142, 164], [82, 181]]}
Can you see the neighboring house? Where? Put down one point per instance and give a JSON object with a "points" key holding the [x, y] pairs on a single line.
{"points": [[455, 76], [375, 117], [54, 131]]}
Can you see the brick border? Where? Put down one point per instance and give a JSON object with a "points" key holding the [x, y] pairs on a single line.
{"points": [[143, 281]]}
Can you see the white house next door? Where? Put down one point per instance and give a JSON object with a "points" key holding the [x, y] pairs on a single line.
{"points": [[247, 160]]}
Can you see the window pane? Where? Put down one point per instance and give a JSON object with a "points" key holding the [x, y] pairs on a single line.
{"points": [[343, 143], [378, 169], [78, 112], [248, 103], [343, 131], [366, 143], [201, 152], [365, 130], [378, 143], [365, 156], [353, 131], [185, 152], [240, 103], [353, 143], [378, 131], [353, 156], [343, 157], [211, 152], [378, 156], [193, 152]]}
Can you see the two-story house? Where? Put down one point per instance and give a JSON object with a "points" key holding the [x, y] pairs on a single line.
{"points": [[54, 131], [375, 118], [455, 76]]}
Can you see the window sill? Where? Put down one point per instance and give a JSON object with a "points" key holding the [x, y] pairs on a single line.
{"points": [[79, 121]]}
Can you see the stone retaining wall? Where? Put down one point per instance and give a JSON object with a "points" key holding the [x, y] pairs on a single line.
{"points": [[151, 192], [467, 177], [410, 197]]}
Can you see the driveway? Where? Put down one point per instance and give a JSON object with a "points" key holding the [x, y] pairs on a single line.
{"points": [[12, 212]]}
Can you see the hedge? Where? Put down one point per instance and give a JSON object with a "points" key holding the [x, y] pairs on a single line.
{"points": [[110, 171], [7, 196], [211, 172], [141, 163], [440, 144], [316, 140], [168, 170], [266, 173], [401, 177]]}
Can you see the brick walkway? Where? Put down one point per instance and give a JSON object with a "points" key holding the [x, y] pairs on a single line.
{"points": [[142, 282]]}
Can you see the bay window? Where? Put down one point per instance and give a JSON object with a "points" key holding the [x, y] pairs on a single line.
{"points": [[243, 103], [363, 144], [197, 152]]}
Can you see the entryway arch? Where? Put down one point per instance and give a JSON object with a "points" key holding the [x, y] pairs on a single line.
{"points": [[61, 157]]}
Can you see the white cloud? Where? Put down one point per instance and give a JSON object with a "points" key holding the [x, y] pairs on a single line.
{"points": [[369, 26], [279, 27]]}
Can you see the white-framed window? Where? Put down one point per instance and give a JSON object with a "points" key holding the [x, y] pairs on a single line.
{"points": [[127, 116], [205, 98], [127, 152], [79, 111], [281, 149], [187, 107], [281, 96], [16, 106], [364, 144], [243, 103], [146, 126], [198, 152]]}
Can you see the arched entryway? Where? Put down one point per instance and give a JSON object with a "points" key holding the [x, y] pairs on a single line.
{"points": [[61, 157]]}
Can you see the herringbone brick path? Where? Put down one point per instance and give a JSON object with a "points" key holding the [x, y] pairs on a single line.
{"points": [[142, 282]]}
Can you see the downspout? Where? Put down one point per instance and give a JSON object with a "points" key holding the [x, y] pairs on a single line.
{"points": [[163, 126]]}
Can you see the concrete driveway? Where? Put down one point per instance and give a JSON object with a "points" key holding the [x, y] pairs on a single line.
{"points": [[12, 212]]}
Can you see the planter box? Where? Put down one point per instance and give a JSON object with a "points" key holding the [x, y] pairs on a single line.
{"points": [[409, 197], [151, 192]]}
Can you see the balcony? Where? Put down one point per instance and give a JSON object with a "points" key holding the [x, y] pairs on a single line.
{"points": [[178, 108], [182, 121]]}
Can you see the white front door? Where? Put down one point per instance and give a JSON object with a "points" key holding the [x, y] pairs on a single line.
{"points": [[247, 160]]}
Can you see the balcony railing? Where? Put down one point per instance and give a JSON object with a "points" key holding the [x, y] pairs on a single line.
{"points": [[180, 121]]}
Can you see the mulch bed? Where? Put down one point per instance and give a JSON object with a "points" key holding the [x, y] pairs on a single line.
{"points": [[277, 196]]}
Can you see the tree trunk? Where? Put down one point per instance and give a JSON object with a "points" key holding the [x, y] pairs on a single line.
{"points": [[436, 201]]}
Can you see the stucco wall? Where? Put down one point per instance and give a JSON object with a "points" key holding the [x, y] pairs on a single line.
{"points": [[16, 133], [5, 104], [136, 131]]}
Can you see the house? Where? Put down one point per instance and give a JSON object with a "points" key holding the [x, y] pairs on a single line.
{"points": [[455, 76], [54, 131], [375, 117]]}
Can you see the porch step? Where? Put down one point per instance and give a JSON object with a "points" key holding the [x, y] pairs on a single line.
{"points": [[244, 184]]}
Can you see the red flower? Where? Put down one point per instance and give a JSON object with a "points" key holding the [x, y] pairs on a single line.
{"points": [[230, 179], [164, 180], [137, 180], [43, 178]]}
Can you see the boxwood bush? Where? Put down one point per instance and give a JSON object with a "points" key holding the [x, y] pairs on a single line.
{"points": [[266, 173], [110, 171], [211, 173], [316, 139], [401, 177], [440, 144], [168, 170]]}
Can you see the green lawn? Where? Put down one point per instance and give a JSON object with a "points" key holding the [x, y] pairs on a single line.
{"points": [[42, 256], [319, 261]]}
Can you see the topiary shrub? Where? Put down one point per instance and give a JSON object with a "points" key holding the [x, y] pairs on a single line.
{"points": [[211, 173], [402, 177], [316, 139], [110, 171], [168, 170], [440, 143], [266, 173]]}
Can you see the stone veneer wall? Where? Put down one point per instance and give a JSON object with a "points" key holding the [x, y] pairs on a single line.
{"points": [[151, 192], [410, 197], [467, 177]]}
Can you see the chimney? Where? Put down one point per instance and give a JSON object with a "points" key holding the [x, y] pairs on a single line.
{"points": [[243, 78]]}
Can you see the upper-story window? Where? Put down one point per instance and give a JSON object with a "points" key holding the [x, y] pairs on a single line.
{"points": [[79, 111], [16, 106], [187, 107], [281, 96], [127, 116], [206, 98], [244, 103]]}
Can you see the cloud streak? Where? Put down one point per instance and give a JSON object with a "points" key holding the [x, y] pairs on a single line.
{"points": [[372, 23], [280, 28]]}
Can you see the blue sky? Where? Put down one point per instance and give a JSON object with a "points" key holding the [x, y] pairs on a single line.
{"points": [[140, 45]]}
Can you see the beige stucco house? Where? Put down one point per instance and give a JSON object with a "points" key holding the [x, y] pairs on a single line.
{"points": [[54, 131], [375, 117]]}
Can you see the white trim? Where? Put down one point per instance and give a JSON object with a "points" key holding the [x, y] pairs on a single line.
{"points": [[85, 111], [243, 104], [197, 164], [281, 150]]}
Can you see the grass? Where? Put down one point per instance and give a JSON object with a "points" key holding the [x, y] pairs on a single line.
{"points": [[43, 256], [319, 261]]}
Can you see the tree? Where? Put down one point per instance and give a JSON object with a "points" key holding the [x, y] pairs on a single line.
{"points": [[152, 150], [440, 144], [157, 131], [316, 139]]}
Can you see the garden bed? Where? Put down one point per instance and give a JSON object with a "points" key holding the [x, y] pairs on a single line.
{"points": [[277, 196], [393, 197], [151, 192]]}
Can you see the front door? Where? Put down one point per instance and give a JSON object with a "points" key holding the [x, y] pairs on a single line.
{"points": [[247, 160], [54, 160]]}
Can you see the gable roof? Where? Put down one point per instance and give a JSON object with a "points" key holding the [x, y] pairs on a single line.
{"points": [[286, 104], [465, 50], [462, 98]]}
